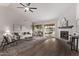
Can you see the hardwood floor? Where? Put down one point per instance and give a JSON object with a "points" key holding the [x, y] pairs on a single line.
{"points": [[50, 47], [42, 47]]}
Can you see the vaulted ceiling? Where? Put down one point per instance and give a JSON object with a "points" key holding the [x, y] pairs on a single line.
{"points": [[45, 11]]}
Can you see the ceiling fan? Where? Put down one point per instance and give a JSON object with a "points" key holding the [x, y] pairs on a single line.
{"points": [[27, 7]]}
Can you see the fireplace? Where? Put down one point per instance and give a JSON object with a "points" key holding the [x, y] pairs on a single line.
{"points": [[64, 34]]}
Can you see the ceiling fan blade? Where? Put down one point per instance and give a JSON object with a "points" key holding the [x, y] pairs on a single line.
{"points": [[28, 4], [22, 5], [32, 8]]}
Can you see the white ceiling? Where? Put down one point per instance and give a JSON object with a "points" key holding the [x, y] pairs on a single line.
{"points": [[45, 11], [4, 4]]}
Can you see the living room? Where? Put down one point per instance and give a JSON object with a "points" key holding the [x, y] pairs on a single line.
{"points": [[28, 25]]}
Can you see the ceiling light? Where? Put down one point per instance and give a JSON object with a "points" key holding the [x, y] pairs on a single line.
{"points": [[27, 9]]}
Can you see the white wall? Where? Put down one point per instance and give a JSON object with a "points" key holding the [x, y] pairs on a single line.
{"points": [[77, 18], [77, 11]]}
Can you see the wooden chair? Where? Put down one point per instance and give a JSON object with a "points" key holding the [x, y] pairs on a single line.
{"points": [[4, 42]]}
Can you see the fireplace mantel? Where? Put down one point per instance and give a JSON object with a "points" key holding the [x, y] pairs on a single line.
{"points": [[66, 27]]}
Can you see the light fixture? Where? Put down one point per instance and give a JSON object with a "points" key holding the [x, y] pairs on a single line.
{"points": [[7, 31], [27, 9]]}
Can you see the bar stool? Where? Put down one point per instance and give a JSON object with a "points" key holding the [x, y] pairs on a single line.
{"points": [[74, 43]]}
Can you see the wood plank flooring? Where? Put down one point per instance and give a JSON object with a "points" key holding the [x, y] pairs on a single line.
{"points": [[50, 47], [42, 47]]}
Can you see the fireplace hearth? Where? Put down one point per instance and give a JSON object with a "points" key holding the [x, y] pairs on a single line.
{"points": [[64, 34]]}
